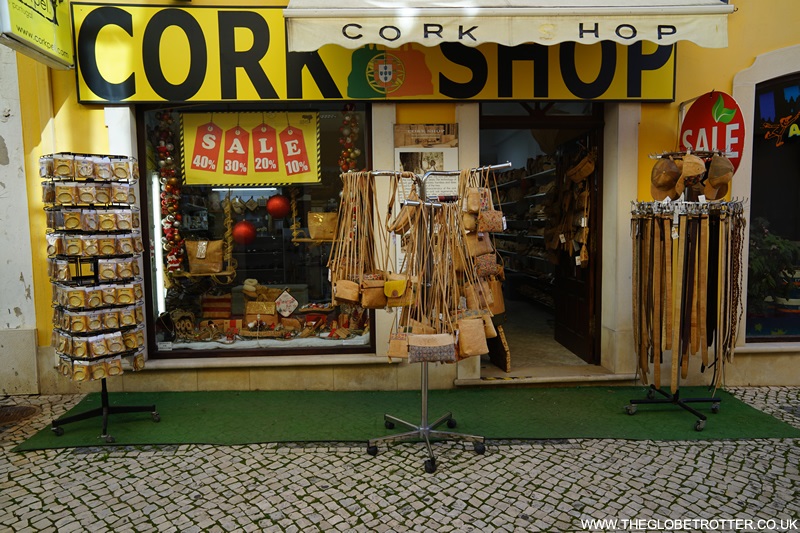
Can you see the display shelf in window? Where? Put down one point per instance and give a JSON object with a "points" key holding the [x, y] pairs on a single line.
{"points": [[511, 178], [531, 194], [535, 196], [517, 236]]}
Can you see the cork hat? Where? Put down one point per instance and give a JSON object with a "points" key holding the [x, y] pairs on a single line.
{"points": [[663, 179], [692, 171], [720, 173]]}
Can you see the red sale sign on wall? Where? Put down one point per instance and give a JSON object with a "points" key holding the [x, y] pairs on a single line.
{"points": [[236, 149], [714, 123]]}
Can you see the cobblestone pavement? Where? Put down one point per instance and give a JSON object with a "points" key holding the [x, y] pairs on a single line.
{"points": [[515, 486]]}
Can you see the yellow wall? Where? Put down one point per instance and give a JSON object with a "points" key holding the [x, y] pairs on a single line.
{"points": [[755, 28], [425, 113], [54, 121]]}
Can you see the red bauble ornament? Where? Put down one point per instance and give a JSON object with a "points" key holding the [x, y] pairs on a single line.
{"points": [[244, 232], [278, 206]]}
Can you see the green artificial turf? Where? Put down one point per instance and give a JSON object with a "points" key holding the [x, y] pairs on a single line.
{"points": [[245, 417]]}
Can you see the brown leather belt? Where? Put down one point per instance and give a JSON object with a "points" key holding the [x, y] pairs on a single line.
{"points": [[646, 301], [677, 296], [640, 294], [658, 282], [669, 243], [687, 298], [702, 289]]}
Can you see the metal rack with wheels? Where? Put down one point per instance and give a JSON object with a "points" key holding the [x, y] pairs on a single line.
{"points": [[687, 286]]}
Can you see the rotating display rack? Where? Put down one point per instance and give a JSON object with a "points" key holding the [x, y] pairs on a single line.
{"points": [[94, 246], [427, 225], [687, 293]]}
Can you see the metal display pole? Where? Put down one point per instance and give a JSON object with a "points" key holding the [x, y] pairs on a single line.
{"points": [[425, 431], [104, 410]]}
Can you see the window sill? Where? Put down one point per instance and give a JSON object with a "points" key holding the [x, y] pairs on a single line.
{"points": [[758, 348], [267, 361]]}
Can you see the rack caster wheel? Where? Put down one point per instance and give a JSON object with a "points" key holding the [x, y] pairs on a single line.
{"points": [[715, 408], [630, 409], [372, 450], [430, 466], [156, 417], [651, 394], [108, 438], [388, 425], [58, 430], [451, 423], [479, 447], [699, 425]]}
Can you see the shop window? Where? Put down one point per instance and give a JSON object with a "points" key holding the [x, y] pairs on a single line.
{"points": [[236, 267], [773, 288]]}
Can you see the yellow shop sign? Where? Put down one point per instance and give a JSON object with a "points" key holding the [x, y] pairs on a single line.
{"points": [[128, 54], [38, 28]]}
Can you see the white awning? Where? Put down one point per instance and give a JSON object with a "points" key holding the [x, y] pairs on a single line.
{"points": [[355, 23]]}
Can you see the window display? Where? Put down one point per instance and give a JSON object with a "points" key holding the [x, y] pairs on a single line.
{"points": [[243, 210], [773, 281]]}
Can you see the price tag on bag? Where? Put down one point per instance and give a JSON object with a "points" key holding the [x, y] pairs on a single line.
{"points": [[562, 238]]}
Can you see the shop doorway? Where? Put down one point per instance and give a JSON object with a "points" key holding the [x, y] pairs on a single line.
{"points": [[551, 247]]}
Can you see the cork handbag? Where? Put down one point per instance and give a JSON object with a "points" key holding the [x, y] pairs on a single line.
{"points": [[205, 257]]}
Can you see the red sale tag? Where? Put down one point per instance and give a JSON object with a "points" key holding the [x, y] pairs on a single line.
{"points": [[236, 150], [206, 147], [265, 148], [293, 146]]}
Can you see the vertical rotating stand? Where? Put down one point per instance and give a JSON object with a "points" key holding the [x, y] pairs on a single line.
{"points": [[104, 411], [701, 293], [425, 431]]}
